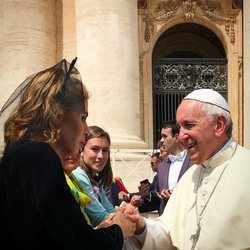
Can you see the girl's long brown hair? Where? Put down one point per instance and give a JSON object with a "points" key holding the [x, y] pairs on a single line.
{"points": [[105, 177]]}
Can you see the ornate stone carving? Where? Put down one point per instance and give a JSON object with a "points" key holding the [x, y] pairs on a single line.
{"points": [[240, 65], [168, 8], [237, 4], [220, 20], [141, 63], [142, 4], [189, 9], [149, 27], [210, 9]]}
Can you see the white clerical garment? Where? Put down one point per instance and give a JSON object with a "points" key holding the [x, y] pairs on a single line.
{"points": [[225, 220]]}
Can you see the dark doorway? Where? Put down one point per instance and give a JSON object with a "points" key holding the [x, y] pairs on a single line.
{"points": [[186, 57]]}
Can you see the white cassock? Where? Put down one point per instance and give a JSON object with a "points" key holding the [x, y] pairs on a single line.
{"points": [[224, 215]]}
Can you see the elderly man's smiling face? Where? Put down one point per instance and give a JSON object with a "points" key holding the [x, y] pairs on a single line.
{"points": [[197, 131]]}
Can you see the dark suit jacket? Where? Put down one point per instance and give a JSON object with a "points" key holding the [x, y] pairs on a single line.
{"points": [[147, 205], [162, 174]]}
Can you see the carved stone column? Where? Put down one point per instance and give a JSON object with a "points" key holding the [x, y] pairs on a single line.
{"points": [[27, 41], [246, 76], [107, 47], [66, 30]]}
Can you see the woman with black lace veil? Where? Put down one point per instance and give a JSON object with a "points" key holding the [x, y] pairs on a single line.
{"points": [[37, 209]]}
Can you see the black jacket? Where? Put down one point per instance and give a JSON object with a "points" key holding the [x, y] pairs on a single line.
{"points": [[37, 209]]}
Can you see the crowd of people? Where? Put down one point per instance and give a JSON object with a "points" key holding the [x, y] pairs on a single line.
{"points": [[55, 174]]}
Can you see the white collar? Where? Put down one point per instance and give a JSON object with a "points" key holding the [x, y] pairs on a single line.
{"points": [[178, 157], [220, 154]]}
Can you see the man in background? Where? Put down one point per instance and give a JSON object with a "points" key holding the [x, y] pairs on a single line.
{"points": [[142, 200], [172, 169]]}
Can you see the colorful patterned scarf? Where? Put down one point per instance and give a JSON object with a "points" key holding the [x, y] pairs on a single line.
{"points": [[81, 197]]}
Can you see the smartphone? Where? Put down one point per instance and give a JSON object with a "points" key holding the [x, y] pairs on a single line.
{"points": [[145, 181]]}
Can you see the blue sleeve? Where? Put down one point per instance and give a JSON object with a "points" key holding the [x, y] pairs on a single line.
{"points": [[105, 202], [95, 210]]}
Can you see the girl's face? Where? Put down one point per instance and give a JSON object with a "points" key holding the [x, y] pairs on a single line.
{"points": [[95, 154]]}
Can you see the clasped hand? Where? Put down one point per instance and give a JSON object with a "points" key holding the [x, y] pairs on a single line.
{"points": [[164, 194], [128, 218]]}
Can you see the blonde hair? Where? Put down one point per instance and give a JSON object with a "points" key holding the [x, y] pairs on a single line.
{"points": [[43, 101]]}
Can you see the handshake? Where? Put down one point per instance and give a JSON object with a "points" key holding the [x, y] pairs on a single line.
{"points": [[128, 218]]}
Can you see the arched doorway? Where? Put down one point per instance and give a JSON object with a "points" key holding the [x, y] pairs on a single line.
{"points": [[187, 56]]}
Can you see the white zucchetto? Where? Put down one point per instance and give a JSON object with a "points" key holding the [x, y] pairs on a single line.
{"points": [[208, 96]]}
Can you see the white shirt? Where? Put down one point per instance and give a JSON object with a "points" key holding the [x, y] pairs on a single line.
{"points": [[175, 168]]}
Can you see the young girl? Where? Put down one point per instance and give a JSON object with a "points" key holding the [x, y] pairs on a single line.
{"points": [[95, 174]]}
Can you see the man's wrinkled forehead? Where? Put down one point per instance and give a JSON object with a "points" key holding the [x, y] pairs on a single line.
{"points": [[188, 111]]}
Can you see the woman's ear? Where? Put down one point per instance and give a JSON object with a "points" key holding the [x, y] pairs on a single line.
{"points": [[58, 120]]}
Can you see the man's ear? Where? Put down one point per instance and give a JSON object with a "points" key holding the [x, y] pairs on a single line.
{"points": [[220, 125], [176, 136]]}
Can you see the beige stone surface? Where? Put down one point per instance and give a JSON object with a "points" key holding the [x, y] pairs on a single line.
{"points": [[107, 46], [246, 72], [27, 41]]}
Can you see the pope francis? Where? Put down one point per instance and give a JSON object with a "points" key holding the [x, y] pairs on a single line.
{"points": [[210, 207]]}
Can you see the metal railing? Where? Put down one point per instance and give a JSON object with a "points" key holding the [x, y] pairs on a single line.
{"points": [[132, 165]]}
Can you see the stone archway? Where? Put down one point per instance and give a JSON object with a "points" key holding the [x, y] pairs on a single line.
{"points": [[187, 56], [223, 19], [188, 40]]}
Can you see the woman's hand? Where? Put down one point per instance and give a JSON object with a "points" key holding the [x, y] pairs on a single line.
{"points": [[107, 222], [127, 225], [134, 216]]}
